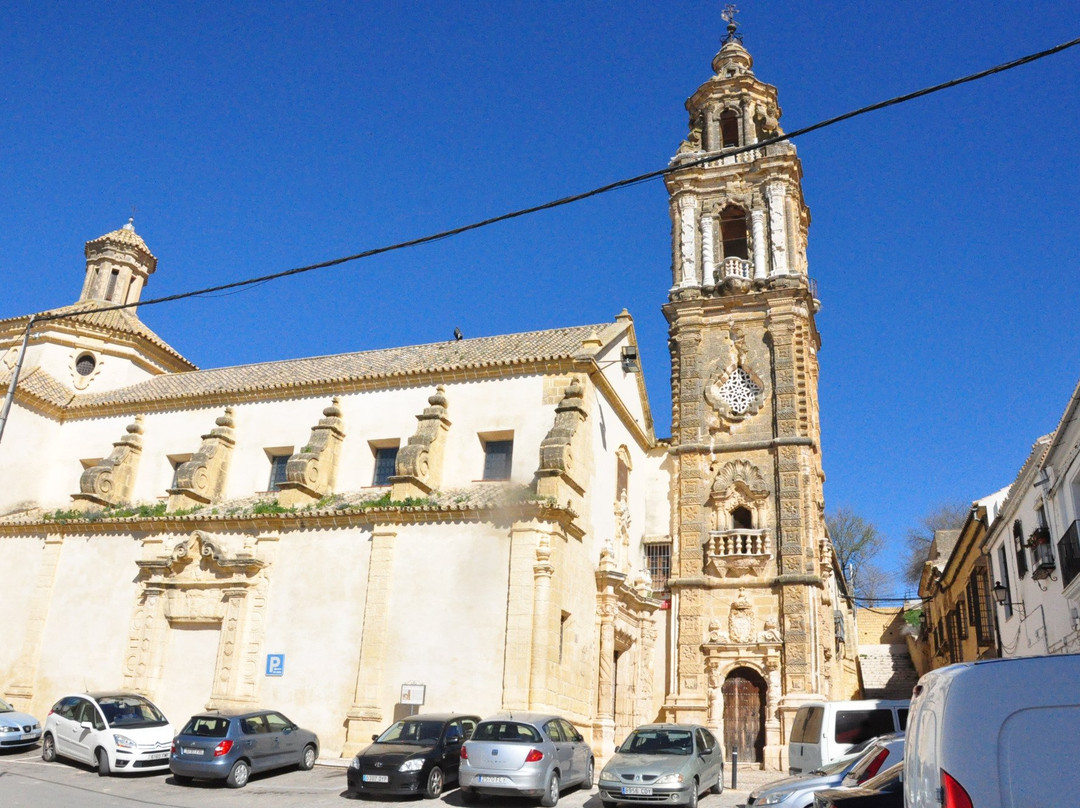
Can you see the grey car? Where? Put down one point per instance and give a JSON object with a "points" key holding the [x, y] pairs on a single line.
{"points": [[17, 729], [670, 763], [525, 755], [231, 746], [798, 790]]}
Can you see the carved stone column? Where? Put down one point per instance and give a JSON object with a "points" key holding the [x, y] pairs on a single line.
{"points": [[539, 694], [708, 253], [365, 715], [24, 673], [716, 699], [778, 228], [757, 229], [687, 255]]}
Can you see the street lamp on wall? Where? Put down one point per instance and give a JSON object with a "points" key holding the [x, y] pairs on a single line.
{"points": [[1001, 597]]}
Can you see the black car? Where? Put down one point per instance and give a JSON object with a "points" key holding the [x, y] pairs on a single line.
{"points": [[885, 790], [417, 755]]}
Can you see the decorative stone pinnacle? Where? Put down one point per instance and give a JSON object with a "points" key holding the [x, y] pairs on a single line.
{"points": [[728, 15]]}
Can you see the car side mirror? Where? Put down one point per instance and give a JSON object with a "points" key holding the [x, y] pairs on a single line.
{"points": [[454, 740], [375, 737]]}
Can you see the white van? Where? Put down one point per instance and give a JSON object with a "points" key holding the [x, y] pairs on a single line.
{"points": [[824, 731], [995, 734]]}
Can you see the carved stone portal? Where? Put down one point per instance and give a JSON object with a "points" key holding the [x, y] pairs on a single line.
{"points": [[201, 579]]}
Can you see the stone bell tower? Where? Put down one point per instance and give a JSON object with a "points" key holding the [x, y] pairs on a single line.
{"points": [[751, 564]]}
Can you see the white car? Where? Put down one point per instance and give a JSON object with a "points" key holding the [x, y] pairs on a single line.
{"points": [[117, 732], [17, 729]]}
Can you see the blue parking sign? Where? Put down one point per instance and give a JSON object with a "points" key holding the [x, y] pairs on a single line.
{"points": [[275, 664]]}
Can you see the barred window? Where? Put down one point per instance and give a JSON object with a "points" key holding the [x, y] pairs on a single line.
{"points": [[658, 560], [385, 464], [277, 471], [1021, 556], [498, 455]]}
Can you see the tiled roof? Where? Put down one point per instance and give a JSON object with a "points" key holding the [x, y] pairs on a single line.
{"points": [[439, 358], [126, 236], [118, 321]]}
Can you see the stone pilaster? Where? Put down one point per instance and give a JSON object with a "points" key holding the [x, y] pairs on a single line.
{"points": [[20, 692], [539, 692], [366, 714]]}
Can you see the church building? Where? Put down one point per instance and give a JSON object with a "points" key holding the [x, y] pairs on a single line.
{"points": [[477, 525]]}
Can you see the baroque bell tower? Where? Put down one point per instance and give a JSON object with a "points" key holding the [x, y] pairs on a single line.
{"points": [[751, 563]]}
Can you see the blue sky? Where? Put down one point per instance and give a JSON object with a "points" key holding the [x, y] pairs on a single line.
{"points": [[252, 138]]}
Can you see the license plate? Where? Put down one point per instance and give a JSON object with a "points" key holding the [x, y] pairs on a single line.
{"points": [[33, 736], [638, 790], [493, 779], [157, 756], [187, 751], [376, 778]]}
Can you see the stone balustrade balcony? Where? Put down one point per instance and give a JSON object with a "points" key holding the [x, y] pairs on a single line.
{"points": [[735, 268], [724, 543]]}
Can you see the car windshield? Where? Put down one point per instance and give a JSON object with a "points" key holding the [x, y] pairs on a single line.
{"points": [[206, 726], [130, 711], [658, 742], [5, 707], [510, 731], [412, 732]]}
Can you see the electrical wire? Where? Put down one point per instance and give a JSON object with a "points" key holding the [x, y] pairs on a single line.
{"points": [[567, 200]]}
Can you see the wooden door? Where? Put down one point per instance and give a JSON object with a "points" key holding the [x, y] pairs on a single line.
{"points": [[744, 715]]}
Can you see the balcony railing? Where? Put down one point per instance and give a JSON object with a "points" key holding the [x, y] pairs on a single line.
{"points": [[726, 543], [1069, 553], [735, 268]]}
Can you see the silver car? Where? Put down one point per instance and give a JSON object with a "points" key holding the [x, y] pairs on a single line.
{"points": [[524, 754], [670, 763]]}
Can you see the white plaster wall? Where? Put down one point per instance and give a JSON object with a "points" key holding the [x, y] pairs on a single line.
{"points": [[118, 365], [315, 616], [625, 384], [448, 604], [29, 461], [86, 633], [20, 558]]}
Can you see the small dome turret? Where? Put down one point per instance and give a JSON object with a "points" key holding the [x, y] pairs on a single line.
{"points": [[117, 266]]}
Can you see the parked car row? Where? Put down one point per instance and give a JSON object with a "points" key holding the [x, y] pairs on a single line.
{"points": [[120, 733]]}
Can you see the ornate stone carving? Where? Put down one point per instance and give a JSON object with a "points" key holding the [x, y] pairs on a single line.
{"points": [[201, 480], [311, 472], [556, 449], [419, 464], [741, 619], [734, 390], [771, 633], [110, 481]]}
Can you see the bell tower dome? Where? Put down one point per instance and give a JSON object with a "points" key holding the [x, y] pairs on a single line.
{"points": [[117, 266], [751, 568]]}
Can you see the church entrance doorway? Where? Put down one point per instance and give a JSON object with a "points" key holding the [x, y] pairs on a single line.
{"points": [[744, 714], [188, 673]]}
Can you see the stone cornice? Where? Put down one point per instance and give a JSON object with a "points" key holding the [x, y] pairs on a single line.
{"points": [[301, 520]]}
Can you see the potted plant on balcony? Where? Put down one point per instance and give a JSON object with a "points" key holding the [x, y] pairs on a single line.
{"points": [[1042, 553]]}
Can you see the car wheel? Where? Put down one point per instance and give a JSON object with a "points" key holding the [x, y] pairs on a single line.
{"points": [[239, 775], [102, 758], [551, 791], [307, 760], [48, 748], [469, 796], [719, 787], [588, 781], [434, 783], [691, 801]]}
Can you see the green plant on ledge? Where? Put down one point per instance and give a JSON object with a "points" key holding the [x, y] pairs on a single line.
{"points": [[268, 508]]}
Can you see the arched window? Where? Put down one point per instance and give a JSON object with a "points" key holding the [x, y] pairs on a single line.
{"points": [[742, 519], [733, 237], [729, 128]]}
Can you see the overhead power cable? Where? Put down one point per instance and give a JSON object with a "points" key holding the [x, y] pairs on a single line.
{"points": [[567, 200]]}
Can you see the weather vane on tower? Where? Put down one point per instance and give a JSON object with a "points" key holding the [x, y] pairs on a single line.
{"points": [[728, 15]]}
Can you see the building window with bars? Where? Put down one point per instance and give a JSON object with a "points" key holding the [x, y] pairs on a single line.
{"points": [[278, 462], [498, 457], [658, 563]]}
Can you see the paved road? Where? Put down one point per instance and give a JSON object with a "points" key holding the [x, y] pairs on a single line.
{"points": [[26, 781]]}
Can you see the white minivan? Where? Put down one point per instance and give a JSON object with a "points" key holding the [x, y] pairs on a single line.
{"points": [[824, 731], [986, 735]]}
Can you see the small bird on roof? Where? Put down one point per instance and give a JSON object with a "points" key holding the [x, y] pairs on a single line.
{"points": [[458, 334]]}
